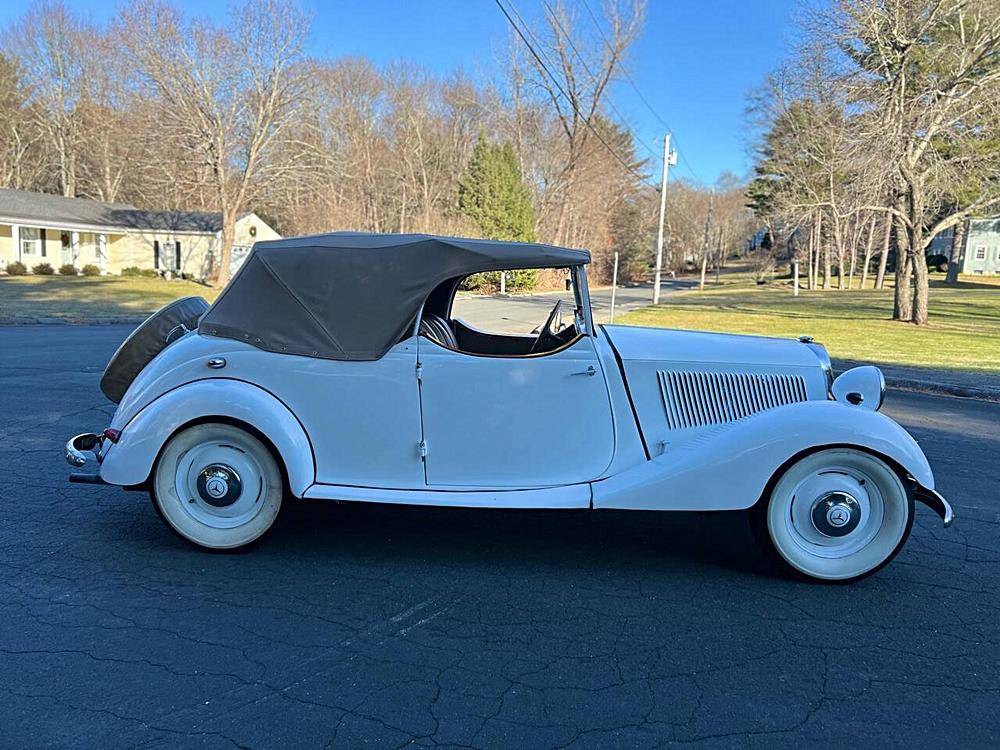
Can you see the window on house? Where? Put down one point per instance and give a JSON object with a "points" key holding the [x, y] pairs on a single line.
{"points": [[31, 243], [981, 252], [177, 255]]}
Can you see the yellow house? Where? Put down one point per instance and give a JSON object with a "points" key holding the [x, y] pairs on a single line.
{"points": [[41, 228]]}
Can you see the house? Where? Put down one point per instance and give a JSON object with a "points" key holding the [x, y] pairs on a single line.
{"points": [[980, 254], [41, 228]]}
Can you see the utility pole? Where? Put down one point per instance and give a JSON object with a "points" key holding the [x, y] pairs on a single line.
{"points": [[708, 229], [669, 159], [614, 288]]}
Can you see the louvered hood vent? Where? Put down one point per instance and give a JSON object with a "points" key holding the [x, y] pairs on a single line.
{"points": [[696, 399]]}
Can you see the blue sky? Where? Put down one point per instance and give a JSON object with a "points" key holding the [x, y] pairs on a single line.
{"points": [[694, 63]]}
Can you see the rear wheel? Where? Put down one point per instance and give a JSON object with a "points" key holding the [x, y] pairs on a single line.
{"points": [[837, 515], [217, 486]]}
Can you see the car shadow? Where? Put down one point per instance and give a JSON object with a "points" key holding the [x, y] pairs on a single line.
{"points": [[536, 539]]}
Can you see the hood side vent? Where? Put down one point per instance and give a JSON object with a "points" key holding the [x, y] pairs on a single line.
{"points": [[698, 399]]}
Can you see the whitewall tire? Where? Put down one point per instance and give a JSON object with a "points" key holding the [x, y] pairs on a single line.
{"points": [[217, 486], [836, 515]]}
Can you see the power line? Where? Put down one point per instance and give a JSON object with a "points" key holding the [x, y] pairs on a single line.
{"points": [[555, 82], [593, 78], [642, 98]]}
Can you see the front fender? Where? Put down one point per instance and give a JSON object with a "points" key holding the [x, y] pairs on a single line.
{"points": [[729, 467], [130, 460]]}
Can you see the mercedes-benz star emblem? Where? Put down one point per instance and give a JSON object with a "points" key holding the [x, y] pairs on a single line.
{"points": [[838, 516], [216, 487]]}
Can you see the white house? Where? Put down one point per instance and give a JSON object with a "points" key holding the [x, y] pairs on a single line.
{"points": [[41, 228], [980, 254]]}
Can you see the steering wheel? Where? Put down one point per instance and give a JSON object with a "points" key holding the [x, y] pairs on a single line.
{"points": [[546, 335]]}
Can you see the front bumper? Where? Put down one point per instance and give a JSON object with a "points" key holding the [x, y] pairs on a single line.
{"points": [[936, 502], [78, 447]]}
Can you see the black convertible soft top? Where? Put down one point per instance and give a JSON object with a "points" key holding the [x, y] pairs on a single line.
{"points": [[353, 295]]}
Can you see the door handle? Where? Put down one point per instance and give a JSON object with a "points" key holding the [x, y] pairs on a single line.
{"points": [[591, 371]]}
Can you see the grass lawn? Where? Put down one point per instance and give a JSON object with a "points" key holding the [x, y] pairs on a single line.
{"points": [[81, 298], [963, 331]]}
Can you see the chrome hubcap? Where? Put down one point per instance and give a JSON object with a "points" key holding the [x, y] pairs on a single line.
{"points": [[219, 485], [836, 514]]}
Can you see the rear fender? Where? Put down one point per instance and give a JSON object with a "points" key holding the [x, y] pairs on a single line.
{"points": [[130, 460], [728, 468]]}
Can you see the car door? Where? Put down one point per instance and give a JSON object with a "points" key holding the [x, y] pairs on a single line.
{"points": [[362, 418], [514, 422]]}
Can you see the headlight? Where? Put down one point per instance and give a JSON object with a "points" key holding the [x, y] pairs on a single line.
{"points": [[863, 387]]}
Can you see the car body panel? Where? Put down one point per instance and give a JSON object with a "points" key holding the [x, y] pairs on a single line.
{"points": [[728, 466], [363, 418], [629, 447], [130, 460], [515, 422], [684, 383], [637, 343]]}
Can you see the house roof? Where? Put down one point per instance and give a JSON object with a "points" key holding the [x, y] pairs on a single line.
{"points": [[47, 209]]}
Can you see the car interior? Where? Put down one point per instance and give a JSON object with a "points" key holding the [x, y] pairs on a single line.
{"points": [[551, 335]]}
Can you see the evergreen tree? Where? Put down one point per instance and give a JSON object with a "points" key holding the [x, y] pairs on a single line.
{"points": [[494, 196]]}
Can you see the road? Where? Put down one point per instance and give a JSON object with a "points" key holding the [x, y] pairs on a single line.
{"points": [[523, 313], [357, 625]]}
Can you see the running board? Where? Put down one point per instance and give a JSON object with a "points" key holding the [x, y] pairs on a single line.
{"points": [[560, 497]]}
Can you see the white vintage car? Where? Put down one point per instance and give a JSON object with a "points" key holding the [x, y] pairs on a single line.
{"points": [[331, 367]]}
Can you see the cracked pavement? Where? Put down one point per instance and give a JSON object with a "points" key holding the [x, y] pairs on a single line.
{"points": [[387, 627]]}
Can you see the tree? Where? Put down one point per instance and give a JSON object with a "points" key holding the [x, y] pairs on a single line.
{"points": [[226, 95], [49, 44], [573, 69], [22, 153], [164, 111], [493, 196], [927, 70]]}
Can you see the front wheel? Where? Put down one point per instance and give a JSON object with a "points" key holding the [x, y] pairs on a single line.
{"points": [[217, 486], [837, 515]]}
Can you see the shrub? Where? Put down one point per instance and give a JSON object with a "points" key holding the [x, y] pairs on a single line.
{"points": [[17, 268], [67, 269], [148, 273], [42, 269], [489, 281], [90, 270]]}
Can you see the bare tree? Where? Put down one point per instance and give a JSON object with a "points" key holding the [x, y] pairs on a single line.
{"points": [[22, 151], [48, 43], [573, 69], [927, 69], [227, 94]]}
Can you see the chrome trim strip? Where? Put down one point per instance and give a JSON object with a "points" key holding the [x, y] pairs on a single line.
{"points": [[936, 502], [823, 356]]}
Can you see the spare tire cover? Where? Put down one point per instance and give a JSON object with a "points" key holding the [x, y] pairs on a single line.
{"points": [[146, 341]]}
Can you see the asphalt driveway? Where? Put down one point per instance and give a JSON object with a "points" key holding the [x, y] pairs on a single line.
{"points": [[356, 625]]}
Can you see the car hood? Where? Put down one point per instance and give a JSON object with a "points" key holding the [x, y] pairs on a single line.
{"points": [[684, 383], [634, 343]]}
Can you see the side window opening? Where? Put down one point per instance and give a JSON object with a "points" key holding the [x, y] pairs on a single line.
{"points": [[491, 314]]}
